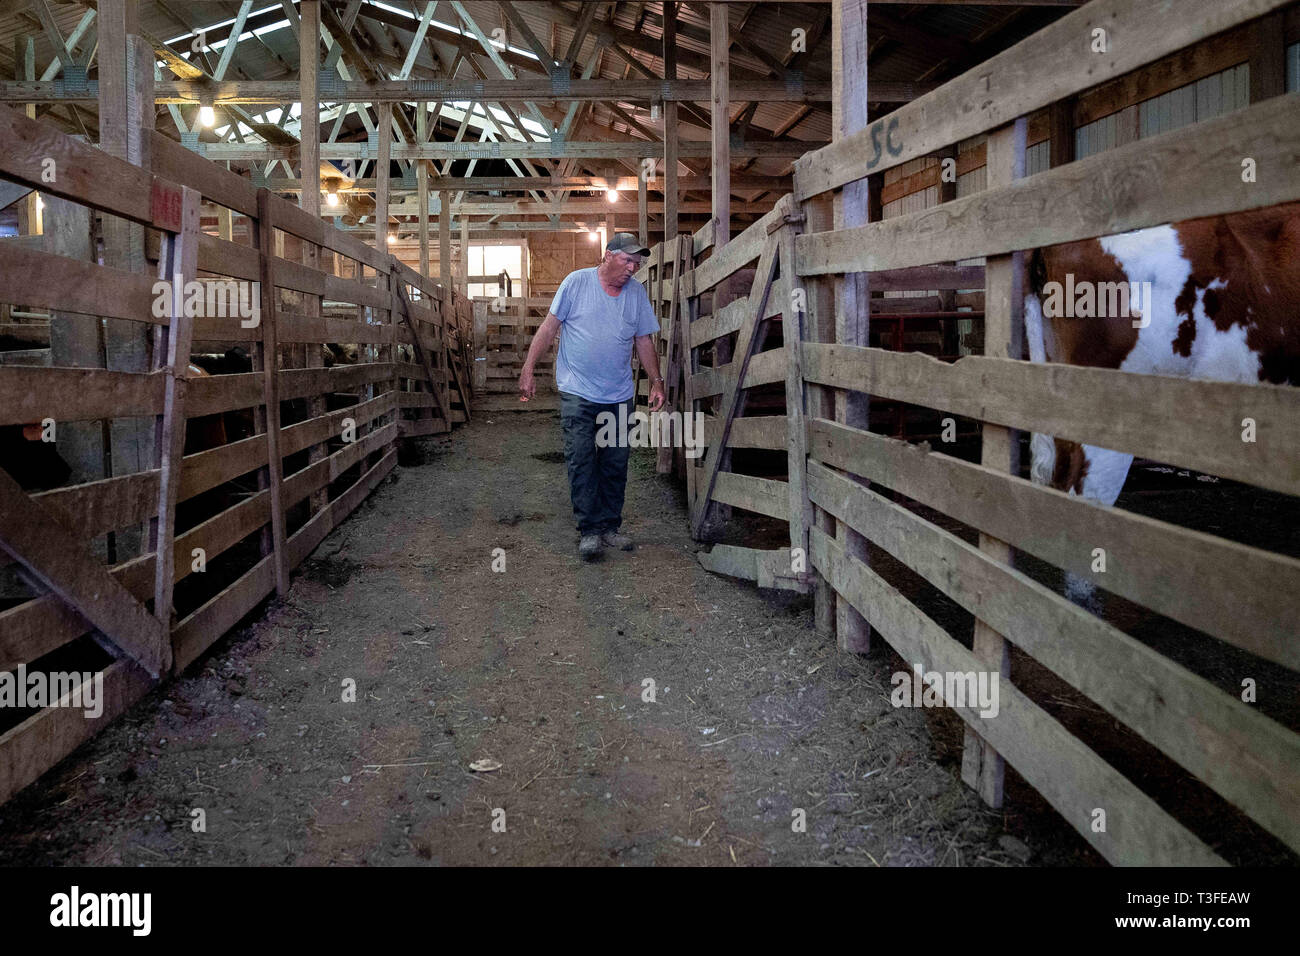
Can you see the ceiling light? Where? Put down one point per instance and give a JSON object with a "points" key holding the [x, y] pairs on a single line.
{"points": [[207, 115], [611, 195], [331, 197], [392, 238]]}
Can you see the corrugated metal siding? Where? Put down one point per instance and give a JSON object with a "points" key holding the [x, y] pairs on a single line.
{"points": [[1212, 96]]}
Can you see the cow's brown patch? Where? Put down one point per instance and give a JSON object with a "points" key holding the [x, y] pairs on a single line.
{"points": [[1104, 341], [1250, 259], [1071, 466], [1185, 337]]}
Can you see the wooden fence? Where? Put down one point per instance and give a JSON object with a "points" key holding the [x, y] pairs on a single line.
{"points": [[796, 326], [503, 330], [223, 521]]}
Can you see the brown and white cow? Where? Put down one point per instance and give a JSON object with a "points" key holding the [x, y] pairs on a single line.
{"points": [[1222, 302]]}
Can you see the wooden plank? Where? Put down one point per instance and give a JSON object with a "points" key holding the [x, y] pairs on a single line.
{"points": [[765, 368], [271, 387], [766, 496], [45, 738], [1155, 180], [86, 175], [197, 632], [213, 394], [173, 161], [1194, 578], [1071, 777], [738, 253], [57, 558], [1107, 408], [108, 504], [799, 509], [229, 258], [39, 280], [306, 538], [1049, 65], [180, 262], [719, 126], [1250, 760], [76, 394]]}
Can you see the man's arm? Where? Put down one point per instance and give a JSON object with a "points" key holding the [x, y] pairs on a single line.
{"points": [[541, 344], [645, 351]]}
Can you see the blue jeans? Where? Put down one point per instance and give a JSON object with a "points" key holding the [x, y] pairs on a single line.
{"points": [[597, 476]]}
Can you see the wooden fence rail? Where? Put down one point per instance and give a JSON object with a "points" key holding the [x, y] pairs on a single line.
{"points": [[251, 467]]}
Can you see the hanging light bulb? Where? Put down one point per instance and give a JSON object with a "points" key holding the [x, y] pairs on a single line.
{"points": [[611, 194], [392, 238], [207, 115], [592, 235], [331, 197]]}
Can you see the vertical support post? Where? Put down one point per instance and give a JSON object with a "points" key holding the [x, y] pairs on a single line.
{"points": [[852, 292], [308, 75], [479, 374], [464, 255], [422, 187], [642, 205], [820, 399], [670, 124], [178, 264], [720, 127], [126, 110], [384, 117], [982, 767], [444, 242], [268, 359], [309, 355]]}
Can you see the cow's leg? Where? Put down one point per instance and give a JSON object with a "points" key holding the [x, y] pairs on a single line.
{"points": [[1104, 473]]}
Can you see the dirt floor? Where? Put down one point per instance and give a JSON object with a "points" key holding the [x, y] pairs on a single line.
{"points": [[542, 668]]}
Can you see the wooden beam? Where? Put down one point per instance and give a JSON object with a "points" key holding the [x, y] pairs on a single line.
{"points": [[309, 99]]}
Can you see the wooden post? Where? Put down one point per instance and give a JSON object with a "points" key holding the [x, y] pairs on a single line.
{"points": [[126, 110], [670, 124], [981, 766], [796, 435], [720, 86], [820, 399], [444, 243], [178, 264], [308, 75], [384, 118], [464, 255], [309, 200], [642, 206], [852, 292], [422, 189], [267, 357]]}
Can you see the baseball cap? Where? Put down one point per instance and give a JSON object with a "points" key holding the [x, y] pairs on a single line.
{"points": [[627, 243]]}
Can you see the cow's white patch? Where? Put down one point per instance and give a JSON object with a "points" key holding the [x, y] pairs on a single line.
{"points": [[1156, 256]]}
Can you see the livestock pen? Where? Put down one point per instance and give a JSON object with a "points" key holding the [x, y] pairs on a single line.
{"points": [[240, 514], [852, 486], [856, 356]]}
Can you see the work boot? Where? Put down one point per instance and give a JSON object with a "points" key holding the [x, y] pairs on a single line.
{"points": [[615, 539], [589, 546]]}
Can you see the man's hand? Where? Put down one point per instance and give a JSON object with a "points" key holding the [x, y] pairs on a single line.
{"points": [[527, 388], [657, 396]]}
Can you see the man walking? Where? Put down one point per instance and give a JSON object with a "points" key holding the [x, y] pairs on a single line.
{"points": [[603, 312]]}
